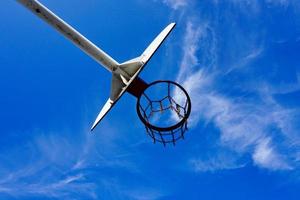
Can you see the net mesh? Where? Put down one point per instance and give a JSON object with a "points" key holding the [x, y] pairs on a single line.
{"points": [[165, 118]]}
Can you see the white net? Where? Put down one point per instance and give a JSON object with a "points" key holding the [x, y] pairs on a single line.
{"points": [[164, 116]]}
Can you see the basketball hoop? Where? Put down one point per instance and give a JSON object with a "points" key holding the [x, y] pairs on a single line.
{"points": [[163, 107], [164, 111]]}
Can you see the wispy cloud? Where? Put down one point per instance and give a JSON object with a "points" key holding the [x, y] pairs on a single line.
{"points": [[176, 4], [247, 125], [216, 161], [64, 166], [47, 186], [49, 173], [266, 156], [144, 193]]}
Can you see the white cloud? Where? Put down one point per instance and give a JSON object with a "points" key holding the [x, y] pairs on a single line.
{"points": [[245, 125], [48, 172], [143, 194], [220, 161], [176, 4], [190, 48], [266, 156], [62, 166]]}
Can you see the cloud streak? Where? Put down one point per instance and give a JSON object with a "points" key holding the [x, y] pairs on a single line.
{"points": [[49, 173], [249, 124], [176, 4], [81, 165]]}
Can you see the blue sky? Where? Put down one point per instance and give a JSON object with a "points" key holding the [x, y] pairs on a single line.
{"points": [[239, 60]]}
